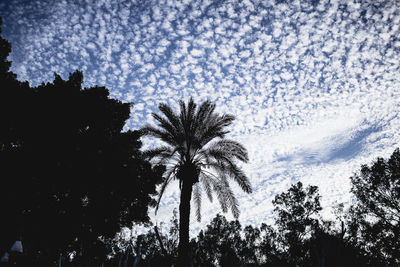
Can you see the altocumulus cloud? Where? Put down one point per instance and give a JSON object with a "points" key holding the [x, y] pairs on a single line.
{"points": [[315, 85]]}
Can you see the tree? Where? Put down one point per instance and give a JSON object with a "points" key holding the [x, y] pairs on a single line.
{"points": [[225, 243], [151, 249], [14, 97], [297, 218], [94, 180], [198, 155], [5, 49], [250, 249], [219, 243], [375, 215], [268, 247], [71, 175]]}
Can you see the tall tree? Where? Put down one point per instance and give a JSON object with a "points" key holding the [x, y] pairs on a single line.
{"points": [[14, 99], [70, 174], [90, 178], [375, 216], [198, 155]]}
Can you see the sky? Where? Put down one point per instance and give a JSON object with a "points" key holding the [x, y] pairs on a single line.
{"points": [[314, 85]]}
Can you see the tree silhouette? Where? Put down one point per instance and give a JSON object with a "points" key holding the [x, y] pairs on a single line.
{"points": [[197, 153], [250, 249], [5, 49], [151, 249], [375, 217], [297, 213], [94, 177], [72, 176], [299, 238], [14, 99], [219, 242]]}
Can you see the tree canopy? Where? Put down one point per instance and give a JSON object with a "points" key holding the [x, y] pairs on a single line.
{"points": [[70, 174], [375, 220]]}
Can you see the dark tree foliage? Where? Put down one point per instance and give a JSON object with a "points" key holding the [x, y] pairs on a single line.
{"points": [[332, 248], [219, 243], [14, 96], [269, 253], [151, 249], [298, 238], [304, 239], [375, 216], [5, 49], [70, 175], [297, 212], [250, 249], [225, 243]]}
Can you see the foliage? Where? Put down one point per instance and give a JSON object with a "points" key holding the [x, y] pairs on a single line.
{"points": [[375, 216], [297, 218], [225, 243], [297, 228], [72, 175], [218, 242], [153, 248]]}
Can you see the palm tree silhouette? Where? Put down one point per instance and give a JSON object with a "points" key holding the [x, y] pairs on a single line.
{"points": [[197, 154]]}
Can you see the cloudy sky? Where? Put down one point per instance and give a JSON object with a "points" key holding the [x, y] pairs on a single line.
{"points": [[314, 85]]}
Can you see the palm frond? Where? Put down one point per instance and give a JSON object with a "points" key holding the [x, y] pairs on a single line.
{"points": [[240, 178], [219, 191], [183, 113], [188, 119], [228, 168], [230, 196], [165, 155], [205, 109], [230, 149], [158, 133], [170, 114], [221, 197], [191, 109], [197, 200], [232, 202], [221, 155], [207, 186], [169, 176], [166, 125], [155, 152], [168, 158], [202, 119], [214, 128]]}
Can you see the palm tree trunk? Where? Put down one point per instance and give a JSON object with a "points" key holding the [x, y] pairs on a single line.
{"points": [[184, 218]]}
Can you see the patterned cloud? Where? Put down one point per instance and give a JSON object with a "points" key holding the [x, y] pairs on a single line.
{"points": [[314, 85]]}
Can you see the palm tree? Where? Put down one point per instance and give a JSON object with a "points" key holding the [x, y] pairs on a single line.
{"points": [[198, 155]]}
